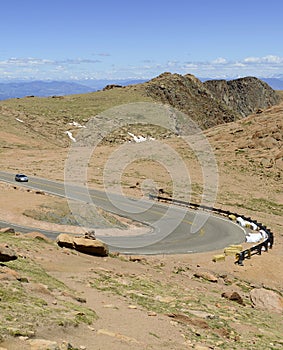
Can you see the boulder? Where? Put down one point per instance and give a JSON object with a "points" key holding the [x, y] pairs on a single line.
{"points": [[208, 276], [6, 253], [83, 244], [267, 299], [90, 246], [65, 240], [234, 296]]}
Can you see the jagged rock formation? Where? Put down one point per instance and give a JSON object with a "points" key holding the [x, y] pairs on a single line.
{"points": [[189, 95], [245, 95], [215, 101]]}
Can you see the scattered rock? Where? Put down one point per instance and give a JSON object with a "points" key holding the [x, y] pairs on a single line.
{"points": [[267, 299], [188, 320], [110, 306], [137, 259], [90, 234], [202, 347], [206, 276], [165, 299], [151, 313], [81, 300], [234, 296], [201, 314], [40, 192], [6, 253]]}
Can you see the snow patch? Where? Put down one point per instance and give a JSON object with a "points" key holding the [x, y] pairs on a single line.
{"points": [[140, 138], [78, 125], [70, 136]]}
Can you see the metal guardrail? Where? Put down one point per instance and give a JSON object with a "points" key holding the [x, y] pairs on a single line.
{"points": [[244, 254]]}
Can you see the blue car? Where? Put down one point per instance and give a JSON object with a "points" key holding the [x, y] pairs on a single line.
{"points": [[21, 178]]}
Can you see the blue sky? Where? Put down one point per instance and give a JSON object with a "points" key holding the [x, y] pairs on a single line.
{"points": [[121, 39]]}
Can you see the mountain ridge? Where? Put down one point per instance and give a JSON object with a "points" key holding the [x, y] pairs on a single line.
{"points": [[51, 117], [41, 88]]}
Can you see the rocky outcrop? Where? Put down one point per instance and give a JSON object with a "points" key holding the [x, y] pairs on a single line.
{"points": [[111, 86], [6, 253], [83, 244], [213, 102], [189, 95], [245, 95]]}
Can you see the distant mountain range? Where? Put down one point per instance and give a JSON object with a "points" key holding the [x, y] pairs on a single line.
{"points": [[56, 88], [275, 83], [41, 88], [61, 88]]}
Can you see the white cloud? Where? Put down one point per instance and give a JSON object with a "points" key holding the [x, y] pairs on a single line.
{"points": [[252, 60], [265, 59], [29, 61], [239, 64], [85, 68], [220, 60]]}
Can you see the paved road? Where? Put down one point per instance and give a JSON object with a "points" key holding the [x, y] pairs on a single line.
{"points": [[171, 229]]}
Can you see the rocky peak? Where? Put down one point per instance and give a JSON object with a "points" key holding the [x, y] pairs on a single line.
{"points": [[189, 95]]}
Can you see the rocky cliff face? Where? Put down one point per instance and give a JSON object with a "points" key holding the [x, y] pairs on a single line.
{"points": [[245, 95], [213, 102], [189, 95]]}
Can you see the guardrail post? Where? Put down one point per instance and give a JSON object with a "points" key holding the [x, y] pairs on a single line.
{"points": [[240, 258], [271, 240], [249, 254]]}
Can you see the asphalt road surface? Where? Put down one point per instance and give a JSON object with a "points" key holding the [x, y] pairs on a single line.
{"points": [[171, 229]]}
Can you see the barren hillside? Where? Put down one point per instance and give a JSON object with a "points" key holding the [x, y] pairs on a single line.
{"points": [[208, 104]]}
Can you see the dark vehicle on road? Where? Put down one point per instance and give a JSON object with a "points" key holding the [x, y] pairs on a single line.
{"points": [[21, 178]]}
